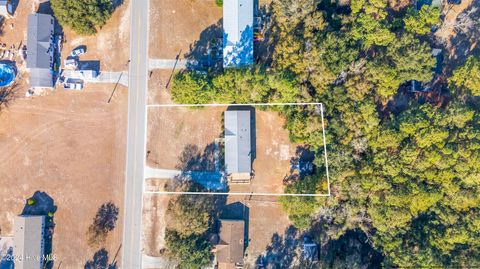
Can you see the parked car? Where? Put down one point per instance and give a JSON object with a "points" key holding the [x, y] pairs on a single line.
{"points": [[70, 63], [73, 85], [77, 52]]}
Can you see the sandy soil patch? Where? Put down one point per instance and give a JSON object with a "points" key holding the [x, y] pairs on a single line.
{"points": [[171, 129], [71, 146], [157, 87], [177, 24]]}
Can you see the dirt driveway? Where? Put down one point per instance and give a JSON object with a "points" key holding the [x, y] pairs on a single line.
{"points": [[70, 145]]}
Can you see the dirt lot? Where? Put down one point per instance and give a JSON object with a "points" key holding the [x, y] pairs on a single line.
{"points": [[157, 91], [177, 24], [154, 216], [69, 145], [170, 130]]}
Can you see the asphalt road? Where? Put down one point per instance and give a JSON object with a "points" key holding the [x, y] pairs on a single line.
{"points": [[136, 137]]}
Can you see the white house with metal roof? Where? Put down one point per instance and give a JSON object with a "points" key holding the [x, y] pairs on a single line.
{"points": [[28, 242], [40, 50], [237, 33], [238, 146]]}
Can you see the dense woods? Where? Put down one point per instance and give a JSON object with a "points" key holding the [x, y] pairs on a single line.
{"points": [[408, 175]]}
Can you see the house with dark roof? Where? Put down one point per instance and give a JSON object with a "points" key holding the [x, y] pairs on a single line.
{"points": [[230, 248], [28, 242], [238, 146], [40, 50], [237, 33]]}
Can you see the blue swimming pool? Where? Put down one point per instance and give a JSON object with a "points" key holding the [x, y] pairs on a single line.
{"points": [[7, 74]]}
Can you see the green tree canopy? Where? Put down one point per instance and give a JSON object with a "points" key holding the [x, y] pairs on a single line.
{"points": [[421, 22], [83, 16], [191, 251], [467, 77]]}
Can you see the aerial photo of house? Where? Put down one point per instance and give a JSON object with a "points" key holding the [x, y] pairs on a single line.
{"points": [[239, 134]]}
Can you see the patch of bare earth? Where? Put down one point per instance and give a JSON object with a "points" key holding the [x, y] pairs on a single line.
{"points": [[171, 129], [69, 145], [176, 24], [158, 93], [451, 12]]}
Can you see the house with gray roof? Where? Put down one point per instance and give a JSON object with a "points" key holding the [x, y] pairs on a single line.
{"points": [[40, 50], [237, 33], [238, 146], [28, 242]]}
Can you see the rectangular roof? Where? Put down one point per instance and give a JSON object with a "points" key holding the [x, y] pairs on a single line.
{"points": [[237, 33], [237, 142], [28, 241], [231, 244], [39, 50]]}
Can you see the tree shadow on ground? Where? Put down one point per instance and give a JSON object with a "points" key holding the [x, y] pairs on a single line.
{"points": [[282, 252], [100, 261], [116, 4], [41, 204], [351, 250], [105, 221], [206, 52], [194, 159]]}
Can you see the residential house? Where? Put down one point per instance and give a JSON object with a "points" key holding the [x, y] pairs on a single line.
{"points": [[28, 246], [230, 248], [40, 50], [237, 33], [238, 146]]}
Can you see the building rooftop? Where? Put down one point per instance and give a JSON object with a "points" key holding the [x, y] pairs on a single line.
{"points": [[237, 33], [231, 245], [28, 241], [237, 142], [39, 49]]}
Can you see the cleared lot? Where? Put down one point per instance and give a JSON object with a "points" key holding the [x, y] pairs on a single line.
{"points": [[175, 25], [178, 134], [69, 145]]}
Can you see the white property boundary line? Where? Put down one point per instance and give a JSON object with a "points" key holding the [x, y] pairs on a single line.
{"points": [[252, 193]]}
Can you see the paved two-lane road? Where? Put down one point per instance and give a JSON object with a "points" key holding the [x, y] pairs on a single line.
{"points": [[136, 137]]}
